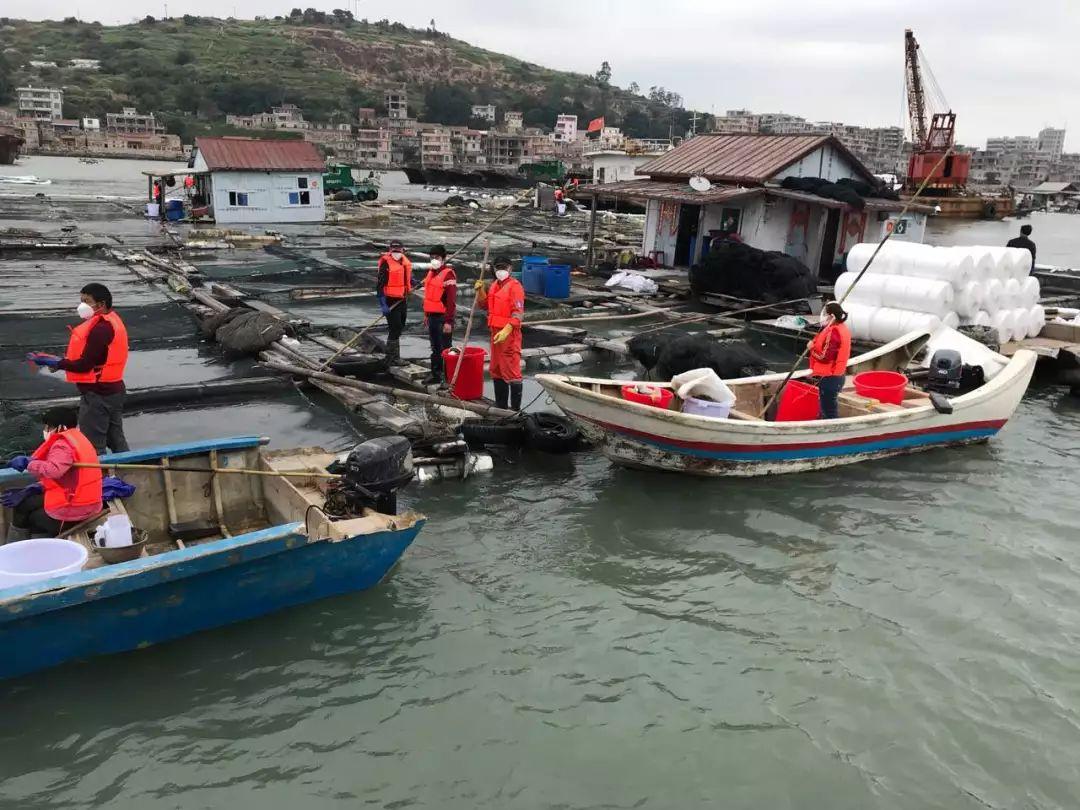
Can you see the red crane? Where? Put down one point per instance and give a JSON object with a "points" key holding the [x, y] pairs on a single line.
{"points": [[933, 141]]}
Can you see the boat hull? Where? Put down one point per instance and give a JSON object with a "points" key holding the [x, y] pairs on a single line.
{"points": [[154, 599], [639, 436]]}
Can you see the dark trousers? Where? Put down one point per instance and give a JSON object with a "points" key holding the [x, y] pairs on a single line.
{"points": [[828, 391], [439, 341], [396, 319], [30, 515], [101, 419]]}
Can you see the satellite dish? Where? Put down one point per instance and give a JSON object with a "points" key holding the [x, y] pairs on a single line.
{"points": [[699, 183]]}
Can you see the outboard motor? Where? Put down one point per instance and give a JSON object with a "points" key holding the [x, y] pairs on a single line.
{"points": [[946, 372], [372, 474]]}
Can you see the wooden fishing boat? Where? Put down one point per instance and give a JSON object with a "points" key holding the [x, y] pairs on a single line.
{"points": [[744, 444], [271, 545]]}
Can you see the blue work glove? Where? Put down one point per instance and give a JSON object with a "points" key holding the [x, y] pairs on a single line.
{"points": [[385, 307], [19, 463], [43, 359], [13, 497]]}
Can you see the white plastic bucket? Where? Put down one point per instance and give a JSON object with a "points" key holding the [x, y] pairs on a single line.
{"points": [[705, 407], [33, 560], [153, 210]]}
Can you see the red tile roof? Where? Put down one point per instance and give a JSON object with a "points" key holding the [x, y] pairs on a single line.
{"points": [[741, 158], [252, 154]]}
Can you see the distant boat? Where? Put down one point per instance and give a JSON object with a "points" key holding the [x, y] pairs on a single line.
{"points": [[89, 160], [642, 436], [219, 548], [11, 141], [23, 180]]}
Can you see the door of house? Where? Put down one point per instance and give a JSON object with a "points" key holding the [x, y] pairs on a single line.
{"points": [[686, 237], [828, 244]]}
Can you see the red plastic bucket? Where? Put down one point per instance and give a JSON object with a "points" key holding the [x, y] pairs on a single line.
{"points": [[656, 397], [884, 386], [470, 381], [799, 402]]}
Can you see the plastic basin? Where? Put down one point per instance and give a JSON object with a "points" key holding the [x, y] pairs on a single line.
{"points": [[884, 386], [656, 397], [33, 560], [706, 407], [470, 381], [799, 402]]}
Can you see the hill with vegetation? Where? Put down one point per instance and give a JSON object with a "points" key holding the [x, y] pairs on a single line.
{"points": [[191, 71]]}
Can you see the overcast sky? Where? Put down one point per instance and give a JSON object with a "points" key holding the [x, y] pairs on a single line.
{"points": [[1006, 68]]}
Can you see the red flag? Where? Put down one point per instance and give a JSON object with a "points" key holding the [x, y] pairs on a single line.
{"points": [[596, 124]]}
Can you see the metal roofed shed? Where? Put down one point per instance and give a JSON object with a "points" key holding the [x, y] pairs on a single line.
{"points": [[252, 180]]}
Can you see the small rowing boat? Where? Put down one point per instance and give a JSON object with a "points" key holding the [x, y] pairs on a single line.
{"points": [[639, 435], [218, 548]]}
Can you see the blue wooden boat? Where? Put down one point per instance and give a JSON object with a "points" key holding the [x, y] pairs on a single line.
{"points": [[274, 547]]}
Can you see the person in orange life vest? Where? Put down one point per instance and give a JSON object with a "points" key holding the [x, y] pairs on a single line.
{"points": [[829, 355], [393, 287], [505, 303], [96, 357], [440, 305], [70, 494], [560, 202]]}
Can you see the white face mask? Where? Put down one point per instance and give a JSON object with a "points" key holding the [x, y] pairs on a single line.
{"points": [[436, 264], [502, 275], [397, 254], [85, 310], [45, 434]]}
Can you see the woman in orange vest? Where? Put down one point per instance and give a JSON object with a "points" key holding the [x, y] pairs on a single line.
{"points": [[505, 303], [69, 494], [440, 305], [393, 287], [829, 355], [96, 357]]}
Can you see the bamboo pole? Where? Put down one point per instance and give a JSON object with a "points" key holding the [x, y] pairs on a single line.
{"points": [[592, 234], [472, 313], [359, 335], [401, 393], [207, 470], [858, 278]]}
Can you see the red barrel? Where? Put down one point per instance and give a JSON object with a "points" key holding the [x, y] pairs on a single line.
{"points": [[657, 397], [470, 381], [799, 402]]}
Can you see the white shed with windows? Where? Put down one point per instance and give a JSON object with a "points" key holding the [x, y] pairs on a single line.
{"points": [[250, 180]]}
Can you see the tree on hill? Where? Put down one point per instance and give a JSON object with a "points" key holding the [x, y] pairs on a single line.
{"points": [[603, 75]]}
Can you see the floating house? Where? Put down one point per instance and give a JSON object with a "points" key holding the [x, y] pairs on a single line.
{"points": [[250, 180], [741, 193]]}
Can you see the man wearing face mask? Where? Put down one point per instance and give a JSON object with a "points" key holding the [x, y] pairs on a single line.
{"points": [[505, 303], [96, 356], [393, 287], [440, 305], [68, 494]]}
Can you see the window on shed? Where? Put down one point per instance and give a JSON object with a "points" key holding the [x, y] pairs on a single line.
{"points": [[238, 198], [305, 198], [294, 198], [301, 182]]}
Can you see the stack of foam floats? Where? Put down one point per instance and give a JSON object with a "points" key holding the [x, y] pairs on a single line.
{"points": [[910, 286]]}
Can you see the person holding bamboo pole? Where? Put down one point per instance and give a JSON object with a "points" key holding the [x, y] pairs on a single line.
{"points": [[505, 303], [830, 351], [68, 494]]}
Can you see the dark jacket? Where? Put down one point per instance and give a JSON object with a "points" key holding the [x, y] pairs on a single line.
{"points": [[1023, 242]]}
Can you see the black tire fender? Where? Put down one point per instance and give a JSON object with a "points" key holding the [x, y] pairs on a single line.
{"points": [[480, 432], [551, 433]]}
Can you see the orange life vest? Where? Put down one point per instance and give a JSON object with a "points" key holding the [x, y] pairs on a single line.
{"points": [[434, 284], [113, 370], [559, 195], [399, 283], [87, 491], [837, 367], [500, 301]]}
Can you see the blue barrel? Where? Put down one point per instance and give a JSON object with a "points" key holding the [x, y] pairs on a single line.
{"points": [[557, 281], [534, 278], [174, 205]]}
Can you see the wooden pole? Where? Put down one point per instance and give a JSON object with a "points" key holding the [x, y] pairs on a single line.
{"points": [[357, 336], [592, 234], [472, 312], [208, 470], [401, 393]]}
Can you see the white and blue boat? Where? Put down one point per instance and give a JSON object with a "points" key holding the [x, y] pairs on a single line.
{"points": [[254, 544]]}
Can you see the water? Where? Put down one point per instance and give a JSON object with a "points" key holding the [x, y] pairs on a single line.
{"points": [[567, 634]]}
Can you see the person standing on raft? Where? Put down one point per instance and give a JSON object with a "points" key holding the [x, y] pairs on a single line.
{"points": [[393, 287], [829, 355], [505, 303], [440, 305]]}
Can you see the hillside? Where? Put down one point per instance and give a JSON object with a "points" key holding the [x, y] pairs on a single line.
{"points": [[192, 70]]}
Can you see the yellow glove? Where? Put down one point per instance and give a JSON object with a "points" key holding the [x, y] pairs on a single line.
{"points": [[503, 333], [478, 285]]}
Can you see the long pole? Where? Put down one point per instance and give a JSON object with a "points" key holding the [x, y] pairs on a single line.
{"points": [[206, 470], [592, 233], [862, 273], [469, 323], [358, 335]]}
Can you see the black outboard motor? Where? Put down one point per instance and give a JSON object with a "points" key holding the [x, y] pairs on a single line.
{"points": [[946, 371], [371, 476]]}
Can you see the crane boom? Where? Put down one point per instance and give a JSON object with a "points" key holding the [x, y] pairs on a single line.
{"points": [[916, 99]]}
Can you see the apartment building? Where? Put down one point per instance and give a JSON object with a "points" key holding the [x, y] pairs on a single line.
{"points": [[397, 103], [484, 112], [566, 129], [435, 149], [40, 103], [131, 121]]}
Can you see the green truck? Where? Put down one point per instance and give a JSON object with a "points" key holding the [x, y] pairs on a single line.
{"points": [[339, 184]]}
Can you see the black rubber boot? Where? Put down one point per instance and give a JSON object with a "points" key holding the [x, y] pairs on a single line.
{"points": [[393, 352], [502, 393], [515, 396]]}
